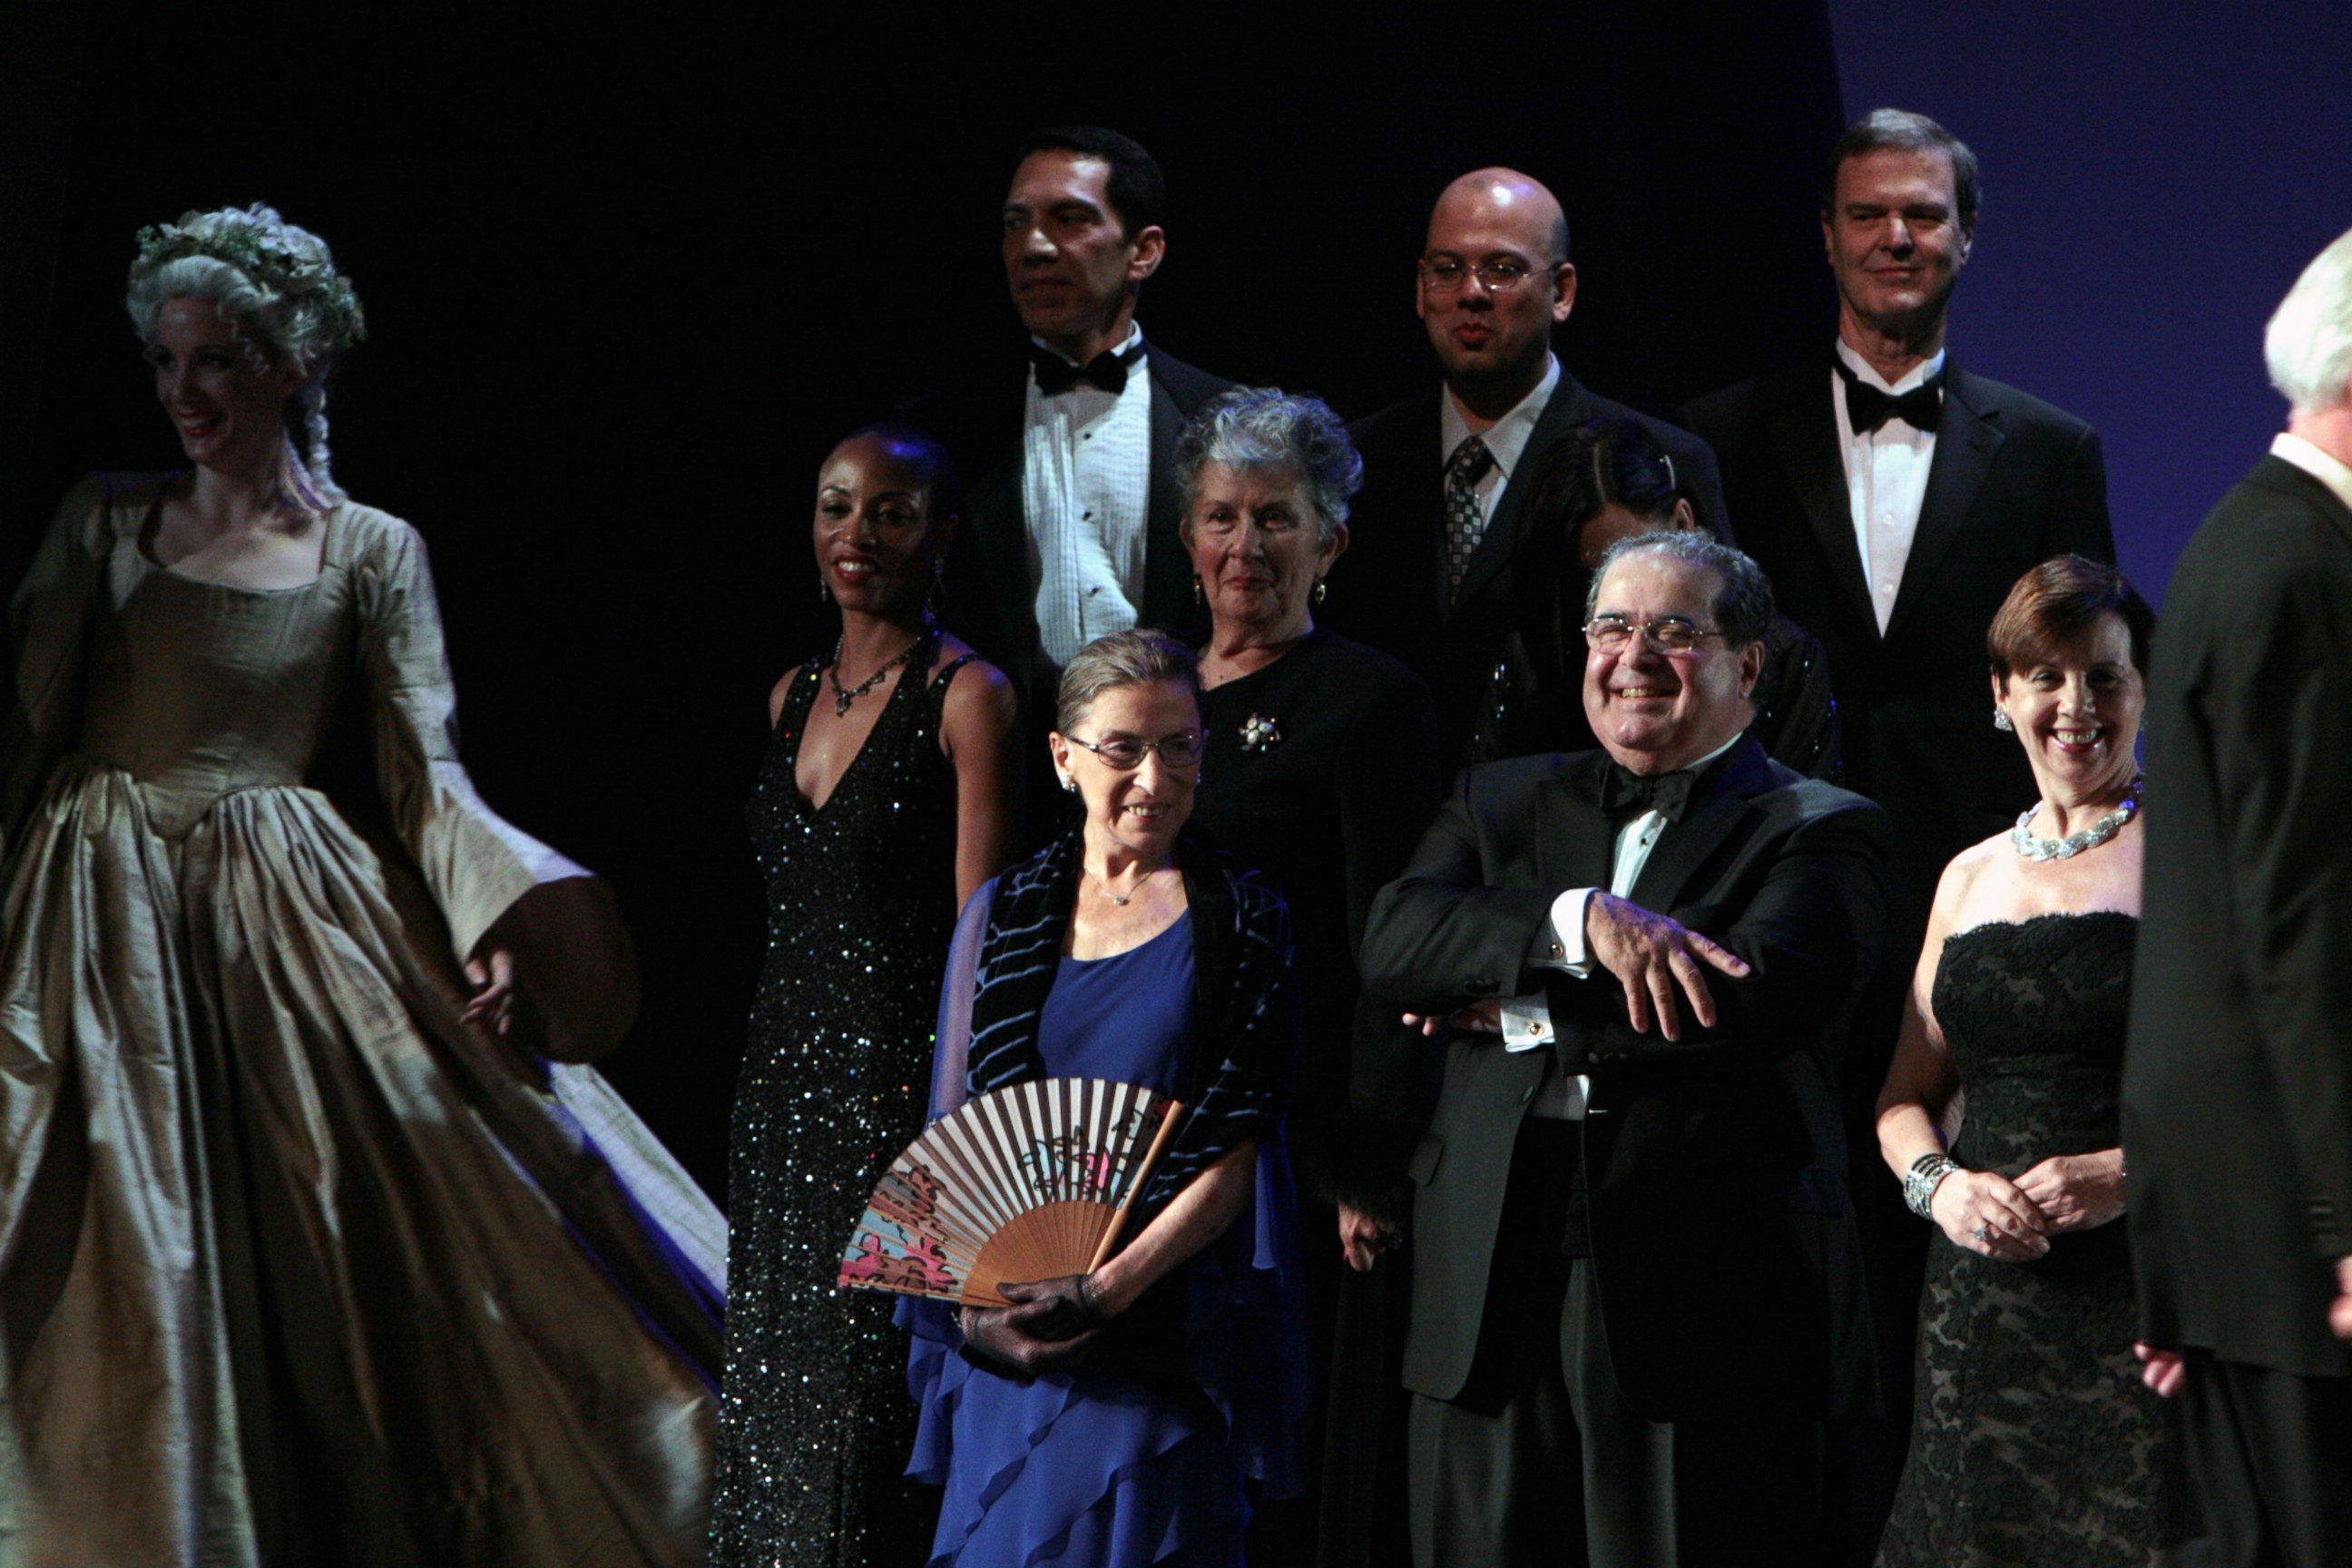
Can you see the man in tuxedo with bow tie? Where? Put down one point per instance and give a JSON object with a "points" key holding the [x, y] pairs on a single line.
{"points": [[1637, 1291], [1428, 575], [1894, 497], [1071, 511]]}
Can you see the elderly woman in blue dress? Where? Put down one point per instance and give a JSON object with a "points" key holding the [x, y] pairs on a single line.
{"points": [[1113, 1417]]}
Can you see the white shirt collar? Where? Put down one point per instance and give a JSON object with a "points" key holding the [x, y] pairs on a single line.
{"points": [[1134, 336], [1508, 437], [1868, 373], [2316, 462]]}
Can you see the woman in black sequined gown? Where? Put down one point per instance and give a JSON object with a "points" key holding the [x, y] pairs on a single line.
{"points": [[2033, 1441], [880, 806]]}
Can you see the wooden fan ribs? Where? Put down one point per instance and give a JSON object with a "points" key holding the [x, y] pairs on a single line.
{"points": [[1029, 1182]]}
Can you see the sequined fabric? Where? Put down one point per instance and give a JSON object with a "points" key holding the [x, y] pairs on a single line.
{"points": [[815, 1422]]}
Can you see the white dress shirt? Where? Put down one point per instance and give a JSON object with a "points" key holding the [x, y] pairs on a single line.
{"points": [[1526, 1020], [1886, 479], [2315, 461], [1505, 439], [1086, 493]]}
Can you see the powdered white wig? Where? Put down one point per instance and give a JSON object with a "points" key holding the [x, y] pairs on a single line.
{"points": [[279, 284], [2309, 345]]}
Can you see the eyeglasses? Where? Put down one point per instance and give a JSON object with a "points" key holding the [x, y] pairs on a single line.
{"points": [[1447, 276], [1667, 633], [1180, 750]]}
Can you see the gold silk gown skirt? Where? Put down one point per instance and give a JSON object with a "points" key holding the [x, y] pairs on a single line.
{"points": [[294, 1266]]}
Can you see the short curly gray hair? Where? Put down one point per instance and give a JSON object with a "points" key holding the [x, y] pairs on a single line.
{"points": [[1265, 427], [279, 284], [1743, 610], [1123, 658]]}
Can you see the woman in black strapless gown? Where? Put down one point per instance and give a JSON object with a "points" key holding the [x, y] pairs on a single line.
{"points": [[2033, 1441], [879, 808]]}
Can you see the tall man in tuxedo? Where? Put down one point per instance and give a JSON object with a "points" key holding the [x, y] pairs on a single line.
{"points": [[1637, 1289], [2237, 1109], [1071, 511], [1428, 573], [1894, 499]]}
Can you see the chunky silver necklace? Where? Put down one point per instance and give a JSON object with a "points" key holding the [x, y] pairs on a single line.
{"points": [[2022, 839]]}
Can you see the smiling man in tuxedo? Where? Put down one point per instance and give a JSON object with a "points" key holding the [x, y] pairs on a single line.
{"points": [[1637, 1291], [1428, 575]]}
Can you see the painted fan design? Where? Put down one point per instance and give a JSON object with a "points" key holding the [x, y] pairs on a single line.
{"points": [[1029, 1182]]}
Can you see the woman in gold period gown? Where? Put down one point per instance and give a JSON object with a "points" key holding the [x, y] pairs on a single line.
{"points": [[305, 1256]]}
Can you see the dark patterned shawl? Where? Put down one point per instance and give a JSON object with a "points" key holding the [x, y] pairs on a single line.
{"points": [[1245, 999]]}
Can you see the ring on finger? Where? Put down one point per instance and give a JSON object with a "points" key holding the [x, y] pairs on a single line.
{"points": [[1984, 1232]]}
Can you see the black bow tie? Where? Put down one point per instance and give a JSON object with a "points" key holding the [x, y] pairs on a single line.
{"points": [[1867, 408], [1620, 788], [1105, 370]]}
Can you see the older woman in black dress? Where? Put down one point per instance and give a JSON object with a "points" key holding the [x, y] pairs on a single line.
{"points": [[1321, 770]]}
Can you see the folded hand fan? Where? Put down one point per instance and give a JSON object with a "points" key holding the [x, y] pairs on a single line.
{"points": [[1029, 1182]]}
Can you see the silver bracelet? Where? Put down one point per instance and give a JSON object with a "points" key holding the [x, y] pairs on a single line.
{"points": [[1919, 1184]]}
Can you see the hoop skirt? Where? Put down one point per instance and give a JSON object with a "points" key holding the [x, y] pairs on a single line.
{"points": [[294, 1266]]}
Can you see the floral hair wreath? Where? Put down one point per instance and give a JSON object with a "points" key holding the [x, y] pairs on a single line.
{"points": [[269, 262]]}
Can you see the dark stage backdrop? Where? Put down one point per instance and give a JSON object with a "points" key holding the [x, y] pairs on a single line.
{"points": [[627, 280]]}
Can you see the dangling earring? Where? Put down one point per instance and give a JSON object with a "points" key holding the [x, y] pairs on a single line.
{"points": [[1197, 596], [824, 591], [2001, 722], [1321, 593]]}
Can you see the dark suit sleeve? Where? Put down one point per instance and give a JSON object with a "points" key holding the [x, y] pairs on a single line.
{"points": [[1439, 938], [2078, 505], [1810, 930], [2280, 692]]}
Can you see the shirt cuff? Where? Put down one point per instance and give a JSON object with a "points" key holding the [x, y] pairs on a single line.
{"points": [[1567, 947]]}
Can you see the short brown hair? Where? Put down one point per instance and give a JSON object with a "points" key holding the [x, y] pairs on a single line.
{"points": [[1135, 657], [2057, 602]]}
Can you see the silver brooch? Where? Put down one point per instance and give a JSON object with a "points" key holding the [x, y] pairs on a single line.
{"points": [[1261, 733]]}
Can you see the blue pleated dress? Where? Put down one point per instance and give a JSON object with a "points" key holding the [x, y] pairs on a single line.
{"points": [[1097, 1469]]}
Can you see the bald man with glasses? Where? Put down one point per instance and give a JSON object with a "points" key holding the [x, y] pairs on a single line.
{"points": [[1428, 575]]}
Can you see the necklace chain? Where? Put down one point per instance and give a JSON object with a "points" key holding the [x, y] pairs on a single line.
{"points": [[1139, 884], [2022, 838], [843, 696]]}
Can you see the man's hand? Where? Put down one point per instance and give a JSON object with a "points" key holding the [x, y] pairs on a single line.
{"points": [[2160, 1370], [1651, 956], [1363, 1239], [1478, 1018]]}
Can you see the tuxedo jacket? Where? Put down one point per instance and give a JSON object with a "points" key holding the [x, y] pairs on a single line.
{"points": [[1722, 1237], [2237, 1093], [2014, 481], [990, 599], [1389, 589]]}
